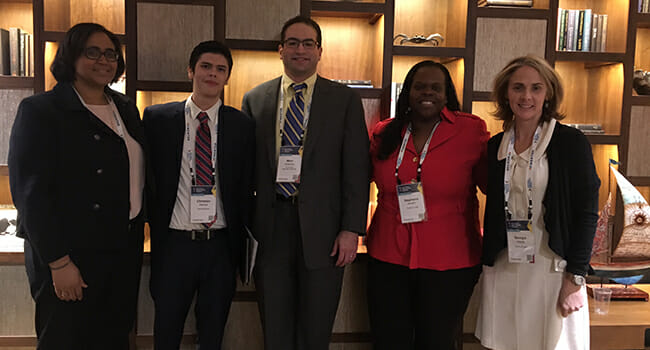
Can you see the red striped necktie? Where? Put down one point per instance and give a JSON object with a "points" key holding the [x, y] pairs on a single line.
{"points": [[203, 155]]}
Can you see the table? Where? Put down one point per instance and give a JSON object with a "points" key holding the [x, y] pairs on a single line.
{"points": [[623, 327]]}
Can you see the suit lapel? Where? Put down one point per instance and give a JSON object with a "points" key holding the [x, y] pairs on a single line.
{"points": [[222, 126], [269, 121], [317, 116], [176, 140]]}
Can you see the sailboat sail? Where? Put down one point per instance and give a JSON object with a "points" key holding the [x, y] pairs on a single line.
{"points": [[635, 239]]}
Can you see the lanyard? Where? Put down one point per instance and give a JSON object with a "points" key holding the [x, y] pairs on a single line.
{"points": [[507, 175], [283, 113], [402, 149], [116, 113], [188, 148]]}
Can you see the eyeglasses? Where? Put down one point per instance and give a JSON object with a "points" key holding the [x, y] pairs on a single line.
{"points": [[95, 53], [307, 43]]}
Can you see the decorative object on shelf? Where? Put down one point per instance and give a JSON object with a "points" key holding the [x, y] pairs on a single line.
{"points": [[506, 3], [644, 6], [641, 82], [354, 83], [7, 226], [434, 39], [589, 129], [628, 260]]}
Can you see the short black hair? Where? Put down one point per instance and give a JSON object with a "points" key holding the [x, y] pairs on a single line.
{"points": [[211, 46], [72, 47], [302, 19]]}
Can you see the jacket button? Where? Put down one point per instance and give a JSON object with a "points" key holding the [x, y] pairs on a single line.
{"points": [[97, 137], [96, 206], [100, 171]]}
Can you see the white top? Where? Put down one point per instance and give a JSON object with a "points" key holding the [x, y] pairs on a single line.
{"points": [[135, 154], [181, 214]]}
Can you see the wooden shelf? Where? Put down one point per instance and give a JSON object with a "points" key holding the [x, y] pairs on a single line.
{"points": [[589, 56], [370, 92], [340, 8], [4, 170], [12, 82], [641, 100], [148, 85], [432, 51], [642, 20], [639, 180], [482, 96], [513, 12], [603, 139]]}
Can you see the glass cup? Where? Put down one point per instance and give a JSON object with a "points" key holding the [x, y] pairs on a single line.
{"points": [[602, 297]]}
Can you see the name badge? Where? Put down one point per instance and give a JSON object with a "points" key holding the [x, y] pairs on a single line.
{"points": [[289, 164], [521, 242], [411, 202], [203, 204]]}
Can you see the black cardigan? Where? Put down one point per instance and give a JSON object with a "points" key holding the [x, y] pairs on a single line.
{"points": [[570, 201]]}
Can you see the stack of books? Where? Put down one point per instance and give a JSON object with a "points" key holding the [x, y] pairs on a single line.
{"points": [[581, 30], [515, 3], [363, 84], [589, 129], [644, 6], [16, 52]]}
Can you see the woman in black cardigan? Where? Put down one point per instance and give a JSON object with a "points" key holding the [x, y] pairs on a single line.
{"points": [[76, 170], [540, 218]]}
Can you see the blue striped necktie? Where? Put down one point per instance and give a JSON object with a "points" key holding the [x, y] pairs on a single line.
{"points": [[292, 131], [203, 152]]}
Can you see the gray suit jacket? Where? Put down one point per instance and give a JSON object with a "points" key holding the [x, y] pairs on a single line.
{"points": [[334, 180]]}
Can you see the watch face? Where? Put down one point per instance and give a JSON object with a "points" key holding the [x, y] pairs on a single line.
{"points": [[578, 280]]}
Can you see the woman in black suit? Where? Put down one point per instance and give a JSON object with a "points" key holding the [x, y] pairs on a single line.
{"points": [[76, 170]]}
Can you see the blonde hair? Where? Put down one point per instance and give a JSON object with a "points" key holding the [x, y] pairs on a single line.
{"points": [[554, 90]]}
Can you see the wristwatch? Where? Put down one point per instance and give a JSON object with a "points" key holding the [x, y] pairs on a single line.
{"points": [[578, 280]]}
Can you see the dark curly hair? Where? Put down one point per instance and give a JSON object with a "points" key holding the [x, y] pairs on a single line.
{"points": [[72, 47], [391, 136]]}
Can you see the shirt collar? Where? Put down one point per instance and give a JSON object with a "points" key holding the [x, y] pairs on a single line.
{"points": [[544, 139], [448, 115], [287, 81], [195, 110]]}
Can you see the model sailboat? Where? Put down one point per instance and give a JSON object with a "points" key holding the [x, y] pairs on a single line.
{"points": [[626, 260]]}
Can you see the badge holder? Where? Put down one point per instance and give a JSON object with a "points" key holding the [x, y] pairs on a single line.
{"points": [[289, 164], [411, 203], [521, 242], [203, 204]]}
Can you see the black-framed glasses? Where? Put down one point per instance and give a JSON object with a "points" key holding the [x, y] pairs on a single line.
{"points": [[293, 43], [94, 53]]}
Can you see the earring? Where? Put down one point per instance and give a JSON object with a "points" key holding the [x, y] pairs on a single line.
{"points": [[408, 110], [545, 104]]}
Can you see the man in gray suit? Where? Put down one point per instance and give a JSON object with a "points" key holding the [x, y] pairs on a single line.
{"points": [[312, 177]]}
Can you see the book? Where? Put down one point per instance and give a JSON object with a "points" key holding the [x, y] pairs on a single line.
{"points": [[31, 55], [586, 41], [571, 20], [593, 46], [559, 36], [23, 53], [518, 3], [395, 89], [603, 37], [14, 50], [599, 35], [580, 26], [5, 69]]}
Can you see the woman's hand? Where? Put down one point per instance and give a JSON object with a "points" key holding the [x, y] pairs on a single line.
{"points": [[570, 299], [67, 279]]}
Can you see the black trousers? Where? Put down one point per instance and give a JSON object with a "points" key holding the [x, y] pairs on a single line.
{"points": [[417, 309], [105, 315], [183, 269], [297, 305]]}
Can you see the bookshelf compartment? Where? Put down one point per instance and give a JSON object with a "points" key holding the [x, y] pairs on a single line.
{"points": [[456, 67], [638, 157], [9, 100], [268, 18], [267, 66], [17, 14], [617, 13], [161, 24], [499, 40], [642, 52], [426, 17], [361, 58], [145, 99], [593, 94], [61, 15]]}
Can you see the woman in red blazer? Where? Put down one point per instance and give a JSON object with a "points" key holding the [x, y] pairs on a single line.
{"points": [[425, 243]]}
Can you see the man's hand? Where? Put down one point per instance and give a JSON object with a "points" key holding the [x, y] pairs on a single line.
{"points": [[570, 298], [345, 246], [67, 279]]}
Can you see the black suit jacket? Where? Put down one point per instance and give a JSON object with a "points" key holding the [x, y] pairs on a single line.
{"points": [[164, 127], [69, 176], [570, 201]]}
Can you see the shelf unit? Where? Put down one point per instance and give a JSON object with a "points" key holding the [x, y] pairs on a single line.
{"points": [[358, 44]]}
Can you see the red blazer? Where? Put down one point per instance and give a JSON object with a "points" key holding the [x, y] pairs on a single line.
{"points": [[455, 164]]}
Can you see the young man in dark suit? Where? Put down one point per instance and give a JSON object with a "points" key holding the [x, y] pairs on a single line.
{"points": [[312, 169], [202, 155]]}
